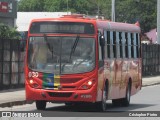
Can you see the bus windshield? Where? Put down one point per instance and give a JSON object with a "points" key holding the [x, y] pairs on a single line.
{"points": [[61, 55]]}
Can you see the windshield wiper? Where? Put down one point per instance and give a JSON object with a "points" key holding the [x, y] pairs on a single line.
{"points": [[74, 47], [47, 43]]}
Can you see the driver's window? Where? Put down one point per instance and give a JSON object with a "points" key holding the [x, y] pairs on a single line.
{"points": [[101, 45]]}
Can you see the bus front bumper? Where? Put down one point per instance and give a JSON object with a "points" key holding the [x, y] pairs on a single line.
{"points": [[60, 95]]}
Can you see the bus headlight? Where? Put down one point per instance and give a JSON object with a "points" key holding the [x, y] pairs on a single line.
{"points": [[87, 85], [90, 82], [33, 83]]}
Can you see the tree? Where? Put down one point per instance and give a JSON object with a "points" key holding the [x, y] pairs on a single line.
{"points": [[129, 11], [31, 5], [8, 32]]}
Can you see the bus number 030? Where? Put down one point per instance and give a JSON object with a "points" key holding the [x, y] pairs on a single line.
{"points": [[33, 74]]}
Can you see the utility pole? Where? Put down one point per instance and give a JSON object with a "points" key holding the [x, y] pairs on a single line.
{"points": [[98, 8], [158, 21], [113, 10], [67, 7]]}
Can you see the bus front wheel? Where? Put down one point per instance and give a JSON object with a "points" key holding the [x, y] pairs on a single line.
{"points": [[102, 104], [40, 105], [69, 103]]}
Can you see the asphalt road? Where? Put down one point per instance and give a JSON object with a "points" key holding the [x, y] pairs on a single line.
{"points": [[148, 99]]}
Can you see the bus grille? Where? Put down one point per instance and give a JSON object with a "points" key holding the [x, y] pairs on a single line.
{"points": [[56, 94]]}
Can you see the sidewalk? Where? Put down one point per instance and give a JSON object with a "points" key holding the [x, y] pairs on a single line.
{"points": [[148, 81], [14, 97]]}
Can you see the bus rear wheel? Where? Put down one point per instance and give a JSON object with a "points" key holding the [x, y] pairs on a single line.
{"points": [[41, 104], [126, 101], [116, 102]]}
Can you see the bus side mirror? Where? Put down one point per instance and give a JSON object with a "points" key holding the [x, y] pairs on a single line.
{"points": [[102, 41]]}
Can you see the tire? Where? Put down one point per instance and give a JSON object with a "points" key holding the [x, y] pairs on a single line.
{"points": [[101, 106], [69, 103], [116, 102], [41, 105], [126, 101]]}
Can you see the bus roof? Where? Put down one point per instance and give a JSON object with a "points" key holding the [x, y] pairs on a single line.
{"points": [[69, 18], [101, 24], [117, 26]]}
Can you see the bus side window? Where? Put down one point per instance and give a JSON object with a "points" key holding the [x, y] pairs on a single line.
{"points": [[114, 45], [129, 45], [111, 44], [126, 44], [132, 46], [108, 45], [120, 43], [123, 44], [100, 47], [105, 47], [117, 45], [139, 44], [135, 43]]}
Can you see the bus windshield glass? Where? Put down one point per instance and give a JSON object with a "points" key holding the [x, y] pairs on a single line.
{"points": [[61, 55], [62, 27]]}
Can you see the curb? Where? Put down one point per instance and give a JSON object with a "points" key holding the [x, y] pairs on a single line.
{"points": [[15, 103], [145, 85]]}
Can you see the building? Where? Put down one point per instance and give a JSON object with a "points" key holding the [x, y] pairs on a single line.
{"points": [[8, 12], [152, 36]]}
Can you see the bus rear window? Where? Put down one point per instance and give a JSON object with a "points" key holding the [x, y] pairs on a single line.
{"points": [[62, 27]]}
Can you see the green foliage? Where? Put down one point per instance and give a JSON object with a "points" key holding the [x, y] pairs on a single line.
{"points": [[130, 11], [89, 7], [8, 32], [31, 5]]}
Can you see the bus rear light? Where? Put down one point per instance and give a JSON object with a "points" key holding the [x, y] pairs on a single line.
{"points": [[87, 85]]}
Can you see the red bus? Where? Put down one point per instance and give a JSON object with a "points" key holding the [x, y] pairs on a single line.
{"points": [[75, 59]]}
